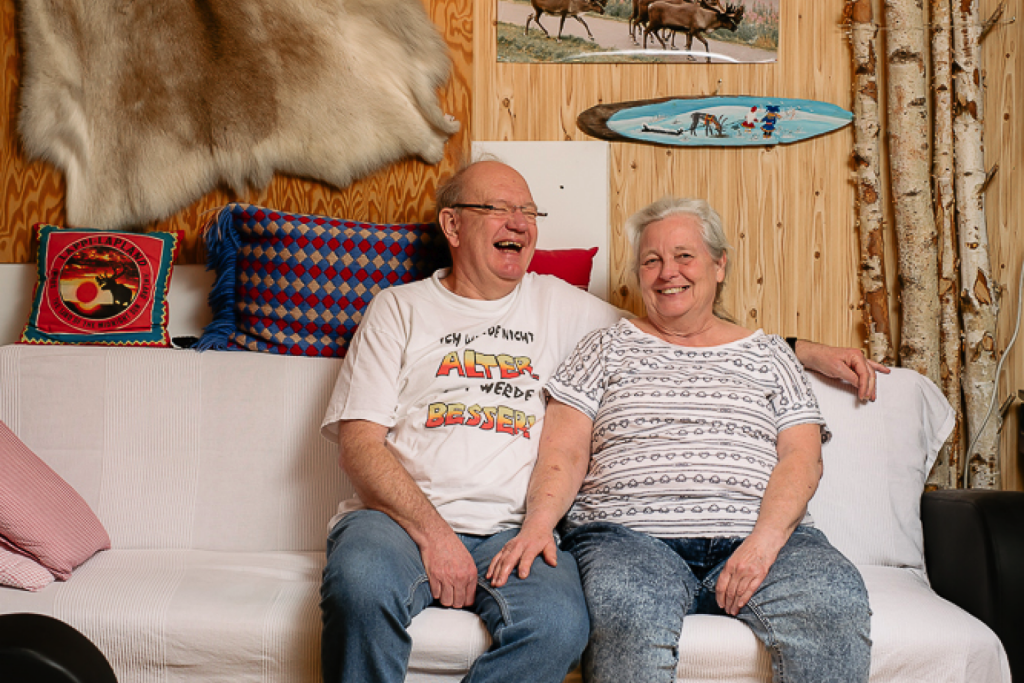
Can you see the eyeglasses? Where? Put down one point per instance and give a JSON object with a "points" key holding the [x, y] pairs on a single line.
{"points": [[506, 211]]}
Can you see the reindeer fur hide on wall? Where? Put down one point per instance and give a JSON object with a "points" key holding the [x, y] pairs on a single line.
{"points": [[147, 104]]}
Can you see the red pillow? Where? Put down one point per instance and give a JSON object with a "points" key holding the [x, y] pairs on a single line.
{"points": [[101, 287], [572, 265], [40, 514], [18, 570]]}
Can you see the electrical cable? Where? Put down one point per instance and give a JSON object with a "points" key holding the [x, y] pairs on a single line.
{"points": [[995, 390]]}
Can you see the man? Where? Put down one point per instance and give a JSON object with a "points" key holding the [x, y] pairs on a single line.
{"points": [[437, 412]]}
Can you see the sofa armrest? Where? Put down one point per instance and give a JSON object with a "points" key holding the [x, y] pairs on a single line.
{"points": [[974, 553]]}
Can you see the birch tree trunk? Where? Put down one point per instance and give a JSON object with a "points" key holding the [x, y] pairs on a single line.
{"points": [[870, 221], [910, 167], [979, 293], [946, 473]]}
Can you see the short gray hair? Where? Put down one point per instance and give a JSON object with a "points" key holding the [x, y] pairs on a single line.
{"points": [[711, 233]]}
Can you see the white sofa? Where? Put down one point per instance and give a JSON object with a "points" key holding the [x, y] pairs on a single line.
{"points": [[210, 476]]}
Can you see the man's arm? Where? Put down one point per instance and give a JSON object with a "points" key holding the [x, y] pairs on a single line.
{"points": [[847, 365], [384, 485]]}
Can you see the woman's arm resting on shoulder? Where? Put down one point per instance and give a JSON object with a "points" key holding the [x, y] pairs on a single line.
{"points": [[561, 466], [384, 485], [848, 365], [790, 487]]}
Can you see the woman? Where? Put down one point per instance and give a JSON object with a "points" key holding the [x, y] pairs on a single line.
{"points": [[695, 445]]}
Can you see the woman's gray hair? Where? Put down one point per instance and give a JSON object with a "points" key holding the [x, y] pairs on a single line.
{"points": [[711, 233]]}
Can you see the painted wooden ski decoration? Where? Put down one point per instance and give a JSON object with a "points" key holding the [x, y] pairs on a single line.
{"points": [[726, 121]]}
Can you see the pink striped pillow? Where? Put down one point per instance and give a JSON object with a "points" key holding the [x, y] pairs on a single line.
{"points": [[41, 514], [20, 571]]}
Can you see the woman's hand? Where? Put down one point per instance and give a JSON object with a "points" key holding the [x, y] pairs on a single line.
{"points": [[745, 571], [520, 552], [561, 466]]}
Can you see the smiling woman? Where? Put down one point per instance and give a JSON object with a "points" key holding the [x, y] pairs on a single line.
{"points": [[680, 249], [702, 441]]}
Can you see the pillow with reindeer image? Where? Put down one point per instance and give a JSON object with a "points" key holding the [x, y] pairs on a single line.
{"points": [[101, 287]]}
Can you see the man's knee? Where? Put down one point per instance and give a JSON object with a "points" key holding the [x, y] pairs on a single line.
{"points": [[548, 607], [372, 565]]}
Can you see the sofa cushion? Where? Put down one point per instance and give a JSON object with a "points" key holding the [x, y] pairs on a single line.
{"points": [[41, 514], [869, 498], [298, 284], [160, 615], [101, 287], [917, 637]]}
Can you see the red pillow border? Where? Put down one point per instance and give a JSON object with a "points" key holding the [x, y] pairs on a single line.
{"points": [[572, 265], [76, 265]]}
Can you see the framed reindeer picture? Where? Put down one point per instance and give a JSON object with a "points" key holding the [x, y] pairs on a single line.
{"points": [[601, 31]]}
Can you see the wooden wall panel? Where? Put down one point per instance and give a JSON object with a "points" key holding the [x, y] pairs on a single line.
{"points": [[33, 192], [782, 206], [788, 210], [1003, 65]]}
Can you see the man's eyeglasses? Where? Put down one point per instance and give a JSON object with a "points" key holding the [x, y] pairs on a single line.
{"points": [[506, 211]]}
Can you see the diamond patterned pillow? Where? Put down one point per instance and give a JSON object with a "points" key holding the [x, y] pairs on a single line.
{"points": [[298, 284]]}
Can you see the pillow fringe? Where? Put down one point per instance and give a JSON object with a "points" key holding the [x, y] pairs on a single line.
{"points": [[222, 246]]}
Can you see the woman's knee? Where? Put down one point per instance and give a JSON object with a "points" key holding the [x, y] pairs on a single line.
{"points": [[832, 595], [632, 582]]}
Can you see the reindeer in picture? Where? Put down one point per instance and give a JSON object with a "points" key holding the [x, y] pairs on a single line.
{"points": [[566, 8], [709, 121], [639, 16], [121, 292], [690, 19]]}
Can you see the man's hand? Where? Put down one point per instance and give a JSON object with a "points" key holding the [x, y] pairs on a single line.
{"points": [[744, 572], [383, 484], [847, 365], [520, 552], [451, 571]]}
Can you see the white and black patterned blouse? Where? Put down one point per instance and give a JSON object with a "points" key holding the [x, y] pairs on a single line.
{"points": [[684, 438]]}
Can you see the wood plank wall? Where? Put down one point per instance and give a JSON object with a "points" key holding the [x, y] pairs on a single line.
{"points": [[788, 210], [1003, 62]]}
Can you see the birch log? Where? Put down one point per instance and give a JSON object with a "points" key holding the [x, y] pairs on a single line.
{"points": [[946, 473], [910, 172], [979, 293], [867, 162]]}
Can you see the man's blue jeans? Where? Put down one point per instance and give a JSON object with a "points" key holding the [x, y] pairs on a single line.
{"points": [[374, 584], [811, 612]]}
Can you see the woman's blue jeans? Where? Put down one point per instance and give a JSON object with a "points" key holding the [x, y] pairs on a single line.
{"points": [[811, 612], [374, 584]]}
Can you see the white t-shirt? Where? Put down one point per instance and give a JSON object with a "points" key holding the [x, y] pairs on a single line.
{"points": [[459, 382], [684, 438]]}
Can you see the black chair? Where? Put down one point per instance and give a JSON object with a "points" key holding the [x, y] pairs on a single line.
{"points": [[974, 551], [39, 649]]}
